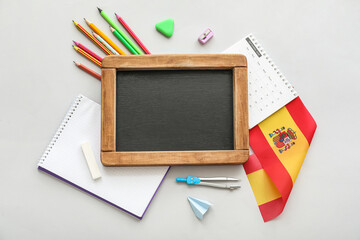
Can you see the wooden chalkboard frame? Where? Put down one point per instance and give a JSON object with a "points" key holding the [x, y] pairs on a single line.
{"points": [[235, 62]]}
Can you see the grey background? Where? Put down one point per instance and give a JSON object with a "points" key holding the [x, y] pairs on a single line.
{"points": [[316, 46]]}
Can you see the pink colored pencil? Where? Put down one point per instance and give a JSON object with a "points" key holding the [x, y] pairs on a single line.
{"points": [[128, 29], [88, 51]]}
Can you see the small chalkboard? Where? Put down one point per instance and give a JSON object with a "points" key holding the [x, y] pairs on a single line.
{"points": [[174, 110]]}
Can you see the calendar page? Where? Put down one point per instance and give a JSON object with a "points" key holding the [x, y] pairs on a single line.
{"points": [[268, 89]]}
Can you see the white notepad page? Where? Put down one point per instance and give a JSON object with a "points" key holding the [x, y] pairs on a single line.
{"points": [[268, 89], [129, 188]]}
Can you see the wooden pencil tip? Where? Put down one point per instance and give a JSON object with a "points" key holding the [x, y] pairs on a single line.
{"points": [[87, 21], [99, 9], [112, 29]]}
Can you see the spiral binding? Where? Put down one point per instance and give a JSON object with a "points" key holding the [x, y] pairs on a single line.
{"points": [[61, 128], [272, 64]]}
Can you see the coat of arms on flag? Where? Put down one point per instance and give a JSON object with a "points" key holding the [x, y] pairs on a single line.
{"points": [[283, 139]]}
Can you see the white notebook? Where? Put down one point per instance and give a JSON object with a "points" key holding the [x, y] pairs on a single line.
{"points": [[268, 89], [128, 188]]}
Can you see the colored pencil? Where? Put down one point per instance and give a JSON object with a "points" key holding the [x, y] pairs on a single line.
{"points": [[88, 56], [105, 43], [88, 70], [126, 38], [92, 38], [103, 36], [117, 34], [131, 32], [88, 51]]}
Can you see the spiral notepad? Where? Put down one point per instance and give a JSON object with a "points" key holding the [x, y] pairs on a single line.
{"points": [[268, 89], [128, 188]]}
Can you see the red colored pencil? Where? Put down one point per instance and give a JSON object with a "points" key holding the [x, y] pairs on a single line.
{"points": [[88, 70], [88, 51], [128, 29], [88, 56]]}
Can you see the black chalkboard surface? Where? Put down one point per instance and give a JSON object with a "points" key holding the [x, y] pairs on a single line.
{"points": [[174, 110]]}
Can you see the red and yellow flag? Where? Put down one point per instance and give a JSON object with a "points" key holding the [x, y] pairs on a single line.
{"points": [[280, 144]]}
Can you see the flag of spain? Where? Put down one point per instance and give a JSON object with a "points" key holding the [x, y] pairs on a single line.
{"points": [[280, 144]]}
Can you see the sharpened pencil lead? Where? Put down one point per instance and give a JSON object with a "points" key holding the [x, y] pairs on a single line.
{"points": [[87, 22], [99, 9]]}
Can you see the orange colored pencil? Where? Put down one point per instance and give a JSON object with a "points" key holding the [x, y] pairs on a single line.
{"points": [[91, 37], [88, 56], [103, 36], [88, 70]]}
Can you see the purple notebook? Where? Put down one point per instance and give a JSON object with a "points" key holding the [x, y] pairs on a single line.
{"points": [[130, 189]]}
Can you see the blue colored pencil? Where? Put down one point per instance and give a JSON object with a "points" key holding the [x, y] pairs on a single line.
{"points": [[105, 43]]}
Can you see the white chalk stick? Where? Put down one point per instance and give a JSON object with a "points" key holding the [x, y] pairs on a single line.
{"points": [[91, 161]]}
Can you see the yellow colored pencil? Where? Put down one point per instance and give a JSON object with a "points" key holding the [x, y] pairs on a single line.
{"points": [[88, 56], [103, 36], [100, 45]]}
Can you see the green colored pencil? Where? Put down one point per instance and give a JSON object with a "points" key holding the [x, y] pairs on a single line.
{"points": [[124, 37], [117, 34]]}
